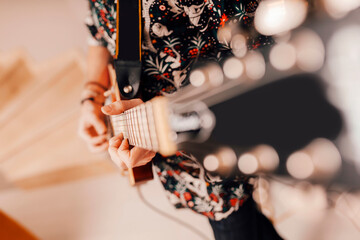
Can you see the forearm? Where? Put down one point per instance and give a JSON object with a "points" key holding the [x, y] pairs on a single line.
{"points": [[92, 126], [97, 65]]}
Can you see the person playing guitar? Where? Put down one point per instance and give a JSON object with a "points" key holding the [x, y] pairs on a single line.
{"points": [[176, 34]]}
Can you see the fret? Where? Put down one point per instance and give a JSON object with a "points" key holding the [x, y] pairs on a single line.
{"points": [[141, 130], [121, 128], [138, 126], [151, 126], [144, 122], [130, 128], [133, 127], [136, 120], [133, 124], [114, 125], [122, 123], [126, 127]]}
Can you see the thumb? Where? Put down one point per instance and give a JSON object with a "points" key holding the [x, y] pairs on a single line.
{"points": [[119, 107]]}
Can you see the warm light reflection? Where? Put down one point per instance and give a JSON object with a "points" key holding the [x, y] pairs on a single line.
{"points": [[338, 9], [238, 45], [224, 35], [326, 157], [282, 37], [262, 158], [300, 165], [227, 157], [267, 156], [342, 65], [310, 50], [211, 163], [277, 16], [283, 56], [320, 159], [233, 68], [343, 55], [254, 65], [215, 74], [248, 163], [197, 78]]}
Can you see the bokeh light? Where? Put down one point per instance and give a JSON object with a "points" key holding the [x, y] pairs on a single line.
{"points": [[233, 68], [300, 165], [283, 56], [248, 163], [215, 74], [211, 163], [197, 78], [277, 16], [310, 50], [238, 45], [339, 9], [254, 65]]}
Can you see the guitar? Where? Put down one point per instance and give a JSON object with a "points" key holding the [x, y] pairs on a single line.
{"points": [[157, 126], [288, 110]]}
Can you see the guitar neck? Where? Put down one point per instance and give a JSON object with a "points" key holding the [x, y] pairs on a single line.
{"points": [[146, 126], [137, 125]]}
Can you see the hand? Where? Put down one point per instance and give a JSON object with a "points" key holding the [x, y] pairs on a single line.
{"points": [[92, 127], [119, 148]]}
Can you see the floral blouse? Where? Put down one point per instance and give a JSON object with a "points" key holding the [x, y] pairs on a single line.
{"points": [[176, 34]]}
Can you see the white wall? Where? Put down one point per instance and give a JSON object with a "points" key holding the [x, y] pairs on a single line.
{"points": [[45, 28]]}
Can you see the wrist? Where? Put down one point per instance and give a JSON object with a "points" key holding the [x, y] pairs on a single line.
{"points": [[96, 85], [93, 92]]}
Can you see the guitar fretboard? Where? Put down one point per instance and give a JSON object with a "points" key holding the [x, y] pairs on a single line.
{"points": [[138, 126]]}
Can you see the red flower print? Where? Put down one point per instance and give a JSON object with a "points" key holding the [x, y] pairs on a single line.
{"points": [[176, 193], [223, 20], [233, 201], [193, 52], [187, 196], [213, 197], [208, 214]]}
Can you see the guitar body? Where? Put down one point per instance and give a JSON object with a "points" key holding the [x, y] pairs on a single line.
{"points": [[138, 174]]}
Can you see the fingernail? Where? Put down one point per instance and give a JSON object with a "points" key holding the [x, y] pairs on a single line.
{"points": [[107, 108]]}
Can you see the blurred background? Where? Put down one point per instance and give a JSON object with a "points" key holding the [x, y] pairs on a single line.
{"points": [[55, 188], [49, 181]]}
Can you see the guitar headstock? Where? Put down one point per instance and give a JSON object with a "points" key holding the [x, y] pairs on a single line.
{"points": [[307, 45]]}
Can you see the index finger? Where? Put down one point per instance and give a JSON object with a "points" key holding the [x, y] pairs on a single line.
{"points": [[119, 107]]}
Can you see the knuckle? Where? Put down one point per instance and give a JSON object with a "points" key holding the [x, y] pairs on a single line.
{"points": [[118, 105], [120, 151]]}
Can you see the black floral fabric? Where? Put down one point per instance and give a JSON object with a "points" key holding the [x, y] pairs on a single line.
{"points": [[177, 34]]}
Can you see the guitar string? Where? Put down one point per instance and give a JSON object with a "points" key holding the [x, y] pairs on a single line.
{"points": [[136, 134], [131, 121]]}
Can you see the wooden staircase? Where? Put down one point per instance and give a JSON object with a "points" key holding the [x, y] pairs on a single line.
{"points": [[39, 111]]}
